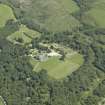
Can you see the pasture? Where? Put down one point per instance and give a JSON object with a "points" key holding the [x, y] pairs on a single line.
{"points": [[6, 13], [49, 15], [25, 34], [69, 5], [59, 69], [1, 101], [96, 15]]}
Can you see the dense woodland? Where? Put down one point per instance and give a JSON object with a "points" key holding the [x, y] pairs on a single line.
{"points": [[19, 85]]}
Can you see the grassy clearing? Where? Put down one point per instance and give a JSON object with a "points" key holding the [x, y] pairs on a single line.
{"points": [[69, 5], [61, 17], [50, 15], [1, 102], [6, 13], [24, 33], [59, 69], [96, 15], [62, 23]]}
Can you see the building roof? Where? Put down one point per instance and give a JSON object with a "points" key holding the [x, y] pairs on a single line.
{"points": [[53, 53]]}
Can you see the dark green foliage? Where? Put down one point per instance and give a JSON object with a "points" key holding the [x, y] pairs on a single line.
{"points": [[99, 57], [100, 90], [90, 100], [84, 4], [9, 28]]}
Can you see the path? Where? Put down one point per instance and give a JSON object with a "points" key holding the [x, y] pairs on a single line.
{"points": [[36, 66]]}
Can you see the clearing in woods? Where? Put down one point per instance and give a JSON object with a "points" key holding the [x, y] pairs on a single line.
{"points": [[25, 34], [96, 14], [1, 101], [48, 14], [57, 68], [6, 13]]}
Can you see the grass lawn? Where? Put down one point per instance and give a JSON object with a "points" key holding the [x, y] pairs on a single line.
{"points": [[59, 69], [25, 33], [6, 13]]}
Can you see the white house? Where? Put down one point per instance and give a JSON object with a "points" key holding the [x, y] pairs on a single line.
{"points": [[53, 53]]}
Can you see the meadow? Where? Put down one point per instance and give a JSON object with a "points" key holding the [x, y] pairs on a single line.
{"points": [[60, 17], [25, 34], [6, 13], [56, 68], [96, 14], [69, 5], [48, 14], [1, 102]]}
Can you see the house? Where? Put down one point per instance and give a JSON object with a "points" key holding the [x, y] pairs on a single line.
{"points": [[53, 53]]}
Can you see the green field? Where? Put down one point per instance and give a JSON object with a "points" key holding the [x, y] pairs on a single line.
{"points": [[96, 15], [50, 15], [60, 16], [25, 33], [69, 5], [6, 13], [1, 102], [59, 69]]}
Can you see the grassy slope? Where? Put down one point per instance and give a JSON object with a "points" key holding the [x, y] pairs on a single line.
{"points": [[61, 17], [69, 5], [1, 103], [96, 15], [59, 69], [50, 15], [6, 13]]}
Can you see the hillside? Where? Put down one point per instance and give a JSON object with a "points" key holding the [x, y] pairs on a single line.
{"points": [[40, 14]]}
